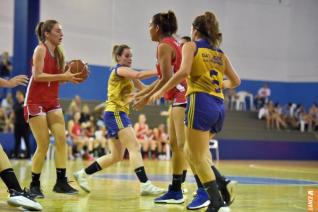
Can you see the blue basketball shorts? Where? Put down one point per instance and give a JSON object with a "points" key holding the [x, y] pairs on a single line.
{"points": [[115, 121], [204, 112]]}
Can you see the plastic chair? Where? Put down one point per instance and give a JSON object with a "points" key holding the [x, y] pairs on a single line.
{"points": [[214, 146]]}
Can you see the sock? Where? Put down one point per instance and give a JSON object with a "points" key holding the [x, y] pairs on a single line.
{"points": [[220, 180], [199, 184], [214, 195], [176, 182], [9, 178], [141, 174], [94, 167], [184, 174], [36, 179], [61, 174]]}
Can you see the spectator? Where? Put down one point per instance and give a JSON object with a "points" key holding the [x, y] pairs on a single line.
{"points": [[75, 106], [21, 127], [262, 96], [5, 71]]}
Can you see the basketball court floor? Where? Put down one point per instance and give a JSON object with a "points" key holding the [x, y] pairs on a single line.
{"points": [[264, 186]]}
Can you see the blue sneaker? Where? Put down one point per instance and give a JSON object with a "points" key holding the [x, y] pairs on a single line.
{"points": [[201, 200], [171, 197]]}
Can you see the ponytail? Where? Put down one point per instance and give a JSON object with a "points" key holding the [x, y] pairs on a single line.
{"points": [[208, 26]]}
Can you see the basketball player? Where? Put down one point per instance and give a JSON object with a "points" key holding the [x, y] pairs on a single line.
{"points": [[161, 29], [204, 65], [18, 197], [121, 83], [42, 107]]}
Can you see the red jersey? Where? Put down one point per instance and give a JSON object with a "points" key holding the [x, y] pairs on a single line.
{"points": [[177, 93], [76, 129], [140, 134], [44, 92]]}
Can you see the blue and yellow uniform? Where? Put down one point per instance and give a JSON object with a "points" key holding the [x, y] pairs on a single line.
{"points": [[117, 104], [205, 108]]}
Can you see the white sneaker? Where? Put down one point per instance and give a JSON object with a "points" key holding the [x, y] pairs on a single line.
{"points": [[148, 188], [23, 199], [81, 179]]}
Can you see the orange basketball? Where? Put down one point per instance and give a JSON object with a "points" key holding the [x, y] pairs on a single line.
{"points": [[78, 66]]}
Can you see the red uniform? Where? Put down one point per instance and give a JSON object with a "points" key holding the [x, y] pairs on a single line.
{"points": [[141, 133], [177, 94], [42, 97]]}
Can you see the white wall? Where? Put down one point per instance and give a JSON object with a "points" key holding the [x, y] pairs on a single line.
{"points": [[272, 40], [6, 25]]}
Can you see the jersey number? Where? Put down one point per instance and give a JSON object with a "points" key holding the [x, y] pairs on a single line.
{"points": [[215, 81]]}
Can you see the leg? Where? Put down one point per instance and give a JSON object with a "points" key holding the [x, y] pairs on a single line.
{"points": [[128, 139], [56, 124], [176, 139], [116, 155], [40, 131], [18, 197], [179, 127], [198, 153]]}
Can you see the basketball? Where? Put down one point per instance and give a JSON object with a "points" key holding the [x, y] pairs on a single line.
{"points": [[78, 66]]}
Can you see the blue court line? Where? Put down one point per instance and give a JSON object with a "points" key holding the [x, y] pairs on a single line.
{"points": [[241, 179]]}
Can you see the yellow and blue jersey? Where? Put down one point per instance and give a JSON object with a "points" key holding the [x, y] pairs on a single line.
{"points": [[207, 70], [119, 89], [205, 108]]}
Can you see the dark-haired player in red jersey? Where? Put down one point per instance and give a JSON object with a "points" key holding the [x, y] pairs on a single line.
{"points": [[161, 28]]}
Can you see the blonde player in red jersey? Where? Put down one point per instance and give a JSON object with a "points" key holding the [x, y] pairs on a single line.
{"points": [[42, 107]]}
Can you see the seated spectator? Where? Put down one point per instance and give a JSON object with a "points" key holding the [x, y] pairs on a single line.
{"points": [[142, 131], [75, 106], [7, 104], [262, 96], [86, 115], [100, 144], [162, 140], [313, 113], [5, 72], [79, 140]]}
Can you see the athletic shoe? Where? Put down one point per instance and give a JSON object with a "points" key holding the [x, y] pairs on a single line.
{"points": [[148, 188], [36, 191], [171, 197], [81, 179], [23, 199], [62, 186], [228, 191], [201, 200]]}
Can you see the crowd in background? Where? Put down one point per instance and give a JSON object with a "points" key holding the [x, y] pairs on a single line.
{"points": [[292, 116]]}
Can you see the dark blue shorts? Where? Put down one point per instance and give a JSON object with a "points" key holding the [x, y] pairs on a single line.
{"points": [[115, 121], [204, 112]]}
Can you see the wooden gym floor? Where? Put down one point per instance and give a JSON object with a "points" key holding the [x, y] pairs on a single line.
{"points": [[264, 186]]}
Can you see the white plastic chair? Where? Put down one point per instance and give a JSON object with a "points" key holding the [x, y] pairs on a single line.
{"points": [[240, 102], [214, 145]]}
